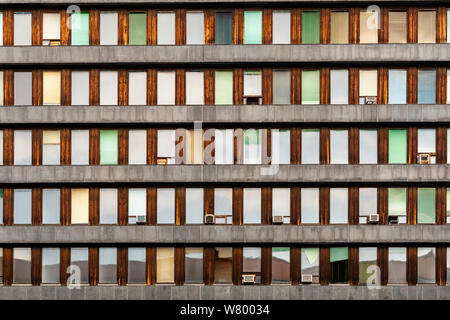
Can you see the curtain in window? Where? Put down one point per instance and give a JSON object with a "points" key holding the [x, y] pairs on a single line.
{"points": [[51, 26], [368, 27], [310, 27], [397, 146], [80, 206], [166, 28], [397, 86], [281, 27], [137, 28], [22, 29], [223, 87], [224, 28], [309, 205], [310, 87], [195, 28], [80, 29], [108, 28], [165, 208], [426, 85], [426, 205], [165, 265], [397, 201], [339, 27], [252, 146], [252, 27], [108, 146], [367, 258], [52, 87], [427, 26], [368, 83], [281, 87], [397, 27]]}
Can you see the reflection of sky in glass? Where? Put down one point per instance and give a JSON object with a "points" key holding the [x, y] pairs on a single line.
{"points": [[310, 146], [310, 258], [80, 147], [22, 147], [137, 140], [281, 201], [281, 253], [251, 259], [165, 206], [426, 140], [137, 202], [310, 205], [137, 254], [397, 86], [368, 254], [252, 146], [339, 146], [281, 146], [252, 205], [397, 201], [224, 146], [338, 205], [22, 206], [397, 254], [166, 143], [108, 206], [50, 257], [194, 205], [368, 146], [339, 86], [223, 201], [367, 201], [50, 206]]}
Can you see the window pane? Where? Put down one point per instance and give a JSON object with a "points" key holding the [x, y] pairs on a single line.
{"points": [[166, 87], [80, 88], [137, 204], [1, 147], [281, 203], [51, 28], [426, 24], [368, 147], [136, 265], [426, 265], [108, 28], [108, 265], [281, 87], [338, 205], [310, 27], [309, 205], [368, 84], [310, 87], [281, 265], [448, 32], [137, 146], [223, 87], [281, 146], [397, 265], [22, 206], [252, 146], [108, 206], [252, 83], [108, 146], [194, 147], [223, 204], [52, 87], [194, 206], [51, 206], [397, 26], [310, 146], [223, 265], [166, 145], [194, 87], [368, 27], [1, 75], [426, 86], [339, 146], [397, 86], [397, 146], [165, 265], [51, 147], [80, 206], [138, 28], [80, 257], [22, 265], [338, 265], [367, 203], [426, 141], [137, 88], [367, 258], [22, 88], [22, 29], [108, 88], [448, 80], [224, 28], [50, 265], [339, 27], [80, 29], [251, 260], [165, 206], [339, 86], [194, 28], [426, 205], [397, 202], [448, 206], [22, 147], [252, 27], [1, 206], [80, 147], [310, 261], [166, 28], [252, 206], [281, 27], [193, 260], [224, 146], [1, 43]]}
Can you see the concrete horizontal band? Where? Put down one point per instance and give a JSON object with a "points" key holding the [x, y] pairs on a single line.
{"points": [[227, 235], [232, 114], [225, 54], [222, 174], [224, 292]]}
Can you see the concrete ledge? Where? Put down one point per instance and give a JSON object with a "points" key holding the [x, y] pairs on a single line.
{"points": [[235, 114], [227, 235], [223, 292], [170, 175], [225, 54]]}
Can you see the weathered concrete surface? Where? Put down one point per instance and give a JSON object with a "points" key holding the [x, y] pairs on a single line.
{"points": [[227, 235], [236, 114], [226, 54]]}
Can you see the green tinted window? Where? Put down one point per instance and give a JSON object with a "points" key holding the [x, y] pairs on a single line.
{"points": [[397, 146], [252, 27], [397, 201], [138, 28], [310, 27], [426, 205], [224, 87], [224, 28], [108, 146], [80, 29], [310, 87], [338, 265]]}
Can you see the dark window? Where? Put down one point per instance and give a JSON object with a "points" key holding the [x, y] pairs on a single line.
{"points": [[224, 28]]}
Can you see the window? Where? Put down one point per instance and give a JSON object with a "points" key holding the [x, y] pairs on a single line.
{"points": [[137, 29], [22, 265], [397, 86], [51, 147], [426, 87], [448, 205], [137, 258], [22, 147], [309, 205], [108, 206], [367, 258], [108, 146], [339, 86], [1, 147], [281, 146], [338, 205], [165, 206], [448, 80], [427, 143], [252, 87], [252, 146], [80, 29], [223, 265], [338, 146], [80, 88], [195, 28], [368, 26], [51, 29], [448, 32], [224, 28], [367, 203], [223, 205], [368, 146], [224, 146], [52, 87], [80, 257], [80, 206], [397, 203], [426, 24], [51, 206], [80, 147], [166, 87], [137, 204], [193, 265], [1, 43], [107, 265], [108, 28], [166, 28], [281, 87], [1, 72], [194, 206], [426, 265], [166, 146], [1, 208], [310, 86], [165, 265], [426, 205], [108, 88], [223, 87], [397, 146], [448, 261], [194, 87], [22, 88], [194, 147], [310, 27], [252, 205], [310, 146], [281, 272], [22, 29], [397, 26], [137, 147], [281, 24], [22, 206], [251, 262], [338, 265], [50, 265], [1, 257], [137, 88], [368, 86], [397, 265], [310, 262], [339, 27], [252, 27], [281, 203]]}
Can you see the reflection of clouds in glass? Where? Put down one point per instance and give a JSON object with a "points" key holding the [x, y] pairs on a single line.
{"points": [[338, 205], [397, 254], [367, 201], [368, 147], [223, 201], [368, 254], [252, 205], [281, 146], [426, 140], [310, 205], [194, 205], [281, 201], [310, 146], [281, 254], [339, 146], [165, 206]]}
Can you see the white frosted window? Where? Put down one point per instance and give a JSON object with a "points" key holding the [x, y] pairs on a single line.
{"points": [[310, 146], [281, 203], [252, 146], [195, 28], [108, 206], [281, 87], [80, 88], [51, 149], [22, 147], [108, 28], [223, 204], [367, 203], [22, 88], [51, 206], [309, 205], [166, 28], [137, 88], [339, 86], [252, 205], [426, 142], [137, 146], [368, 84], [80, 147], [137, 204], [1, 28], [166, 87], [22, 29], [281, 146], [80, 206], [165, 206], [108, 88], [448, 82], [194, 87], [194, 206], [338, 146], [1, 150], [224, 146], [108, 265], [50, 265], [252, 83], [22, 206], [166, 145], [368, 150], [281, 25], [1, 78], [51, 28], [426, 25], [338, 205]]}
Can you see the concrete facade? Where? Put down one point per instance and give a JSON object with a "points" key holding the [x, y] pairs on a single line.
{"points": [[169, 2]]}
